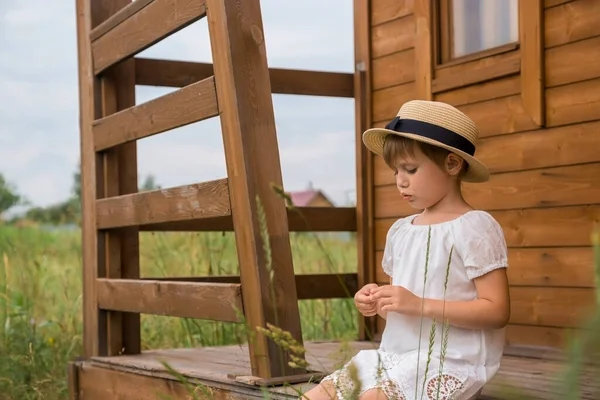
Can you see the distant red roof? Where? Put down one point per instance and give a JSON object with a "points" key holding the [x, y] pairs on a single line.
{"points": [[303, 198]]}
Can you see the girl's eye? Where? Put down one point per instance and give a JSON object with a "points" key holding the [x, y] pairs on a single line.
{"points": [[411, 171]]}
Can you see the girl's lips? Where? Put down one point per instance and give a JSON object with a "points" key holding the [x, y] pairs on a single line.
{"points": [[406, 196]]}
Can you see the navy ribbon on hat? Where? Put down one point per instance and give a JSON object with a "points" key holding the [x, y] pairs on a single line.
{"points": [[431, 131]]}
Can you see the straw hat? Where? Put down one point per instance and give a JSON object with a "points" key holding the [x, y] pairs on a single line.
{"points": [[438, 124]]}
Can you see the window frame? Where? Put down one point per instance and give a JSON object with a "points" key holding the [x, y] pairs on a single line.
{"points": [[524, 58], [442, 39]]}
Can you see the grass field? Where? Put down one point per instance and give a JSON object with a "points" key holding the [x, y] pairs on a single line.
{"points": [[40, 299]]}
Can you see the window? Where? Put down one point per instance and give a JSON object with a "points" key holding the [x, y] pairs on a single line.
{"points": [[472, 28]]}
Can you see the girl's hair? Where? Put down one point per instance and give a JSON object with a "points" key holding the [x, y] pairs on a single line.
{"points": [[400, 146]]}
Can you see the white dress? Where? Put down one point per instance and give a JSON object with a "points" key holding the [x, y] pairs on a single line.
{"points": [[472, 357]]}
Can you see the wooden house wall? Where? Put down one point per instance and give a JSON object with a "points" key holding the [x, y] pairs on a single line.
{"points": [[544, 190]]}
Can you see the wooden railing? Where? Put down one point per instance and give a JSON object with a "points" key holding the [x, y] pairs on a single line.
{"points": [[237, 89]]}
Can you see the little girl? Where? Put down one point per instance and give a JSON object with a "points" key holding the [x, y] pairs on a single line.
{"points": [[447, 303]]}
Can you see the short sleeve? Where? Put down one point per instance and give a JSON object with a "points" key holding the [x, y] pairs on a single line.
{"points": [[481, 244], [387, 262]]}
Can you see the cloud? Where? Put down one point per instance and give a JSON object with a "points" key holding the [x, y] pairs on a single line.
{"points": [[39, 132]]}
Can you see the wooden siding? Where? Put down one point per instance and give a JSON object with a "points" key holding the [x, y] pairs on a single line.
{"points": [[543, 188]]}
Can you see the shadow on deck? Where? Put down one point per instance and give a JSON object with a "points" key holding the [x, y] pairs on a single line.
{"points": [[223, 373]]}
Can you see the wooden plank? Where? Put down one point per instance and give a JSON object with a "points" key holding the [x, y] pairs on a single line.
{"points": [[118, 17], [309, 286], [560, 146], [536, 227], [551, 187], [393, 69], [193, 103], [301, 219], [499, 116], [477, 71], [573, 103], [546, 266], [247, 121], [157, 72], [530, 335], [573, 62], [558, 307], [363, 112], [393, 36], [214, 301], [387, 102], [423, 57], [97, 383], [182, 203], [383, 11], [570, 22], [532, 59], [481, 91], [148, 26], [552, 267]]}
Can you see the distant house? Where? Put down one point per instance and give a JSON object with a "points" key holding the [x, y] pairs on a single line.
{"points": [[310, 198]]}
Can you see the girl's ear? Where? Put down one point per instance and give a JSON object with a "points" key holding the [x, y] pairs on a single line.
{"points": [[454, 164]]}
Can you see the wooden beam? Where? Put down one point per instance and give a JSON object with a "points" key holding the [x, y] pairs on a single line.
{"points": [[155, 72], [88, 111], [309, 286], [423, 49], [118, 17], [259, 214], [364, 159], [141, 27], [477, 71], [531, 30], [304, 219], [103, 256], [214, 301], [197, 201], [191, 104]]}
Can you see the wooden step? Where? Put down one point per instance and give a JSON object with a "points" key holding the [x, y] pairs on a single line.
{"points": [[138, 26], [193, 103], [202, 300], [189, 202]]}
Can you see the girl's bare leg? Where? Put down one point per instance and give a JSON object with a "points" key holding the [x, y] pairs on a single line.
{"points": [[323, 391]]}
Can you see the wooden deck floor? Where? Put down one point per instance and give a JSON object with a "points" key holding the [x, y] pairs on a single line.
{"points": [[225, 370]]}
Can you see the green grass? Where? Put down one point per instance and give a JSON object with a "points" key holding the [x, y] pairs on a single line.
{"points": [[40, 299]]}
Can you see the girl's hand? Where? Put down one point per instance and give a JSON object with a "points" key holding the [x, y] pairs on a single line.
{"points": [[364, 301], [397, 299]]}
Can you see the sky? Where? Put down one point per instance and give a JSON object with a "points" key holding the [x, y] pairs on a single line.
{"points": [[39, 111]]}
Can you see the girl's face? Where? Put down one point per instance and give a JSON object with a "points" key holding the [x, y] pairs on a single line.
{"points": [[421, 181]]}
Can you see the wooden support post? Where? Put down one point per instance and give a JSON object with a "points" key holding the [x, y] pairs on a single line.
{"points": [[252, 155], [364, 158], [104, 174], [119, 177]]}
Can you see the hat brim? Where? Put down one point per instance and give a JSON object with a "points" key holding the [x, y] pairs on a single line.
{"points": [[477, 172]]}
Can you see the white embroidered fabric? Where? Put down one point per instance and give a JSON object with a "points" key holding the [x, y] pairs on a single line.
{"points": [[400, 366]]}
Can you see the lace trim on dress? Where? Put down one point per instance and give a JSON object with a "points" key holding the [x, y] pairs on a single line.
{"points": [[447, 386]]}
